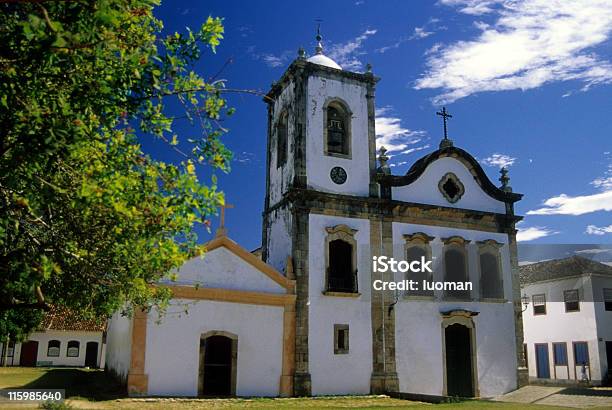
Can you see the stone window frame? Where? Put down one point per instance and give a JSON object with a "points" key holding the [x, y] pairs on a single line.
{"points": [[457, 181], [459, 243], [337, 329], [284, 115], [348, 115], [492, 247], [202, 355], [464, 318], [58, 347], [423, 241], [78, 347], [347, 234]]}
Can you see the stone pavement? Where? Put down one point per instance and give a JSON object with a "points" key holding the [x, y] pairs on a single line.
{"points": [[561, 396]]}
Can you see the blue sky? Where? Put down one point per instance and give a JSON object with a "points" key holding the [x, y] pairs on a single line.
{"points": [[528, 82]]}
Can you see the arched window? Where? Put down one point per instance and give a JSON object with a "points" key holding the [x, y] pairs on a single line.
{"points": [[418, 249], [341, 260], [455, 266], [337, 129], [53, 348], [73, 349], [282, 133]]}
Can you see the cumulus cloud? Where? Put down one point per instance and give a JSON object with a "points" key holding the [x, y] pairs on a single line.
{"points": [[498, 160], [575, 205], [584, 204], [533, 232], [598, 230], [529, 43], [391, 134], [347, 54]]}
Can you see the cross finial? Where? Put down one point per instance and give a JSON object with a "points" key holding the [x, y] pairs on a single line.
{"points": [[446, 142], [221, 230], [319, 48]]}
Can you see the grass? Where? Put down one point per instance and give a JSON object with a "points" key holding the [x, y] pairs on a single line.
{"points": [[93, 389]]}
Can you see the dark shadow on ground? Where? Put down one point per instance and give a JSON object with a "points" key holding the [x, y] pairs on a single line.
{"points": [[89, 384], [584, 391]]}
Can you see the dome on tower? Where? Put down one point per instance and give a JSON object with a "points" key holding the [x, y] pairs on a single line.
{"points": [[320, 58]]}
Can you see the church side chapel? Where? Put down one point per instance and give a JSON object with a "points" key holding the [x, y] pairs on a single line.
{"points": [[302, 318]]}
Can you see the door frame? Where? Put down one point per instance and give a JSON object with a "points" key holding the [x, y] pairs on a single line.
{"points": [[202, 354], [21, 352], [464, 318], [97, 353], [537, 361]]}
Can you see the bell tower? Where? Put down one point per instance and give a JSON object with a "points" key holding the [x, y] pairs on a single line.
{"points": [[321, 144]]}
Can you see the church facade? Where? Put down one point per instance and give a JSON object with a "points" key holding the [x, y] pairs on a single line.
{"points": [[303, 318]]}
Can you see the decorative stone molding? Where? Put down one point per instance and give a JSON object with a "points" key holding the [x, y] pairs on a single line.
{"points": [[422, 241], [418, 237], [347, 234], [342, 106], [464, 318], [459, 244], [492, 248], [455, 240], [138, 381], [451, 187]]}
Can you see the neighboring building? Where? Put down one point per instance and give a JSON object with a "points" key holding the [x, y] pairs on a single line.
{"points": [[568, 320], [304, 319], [62, 340]]}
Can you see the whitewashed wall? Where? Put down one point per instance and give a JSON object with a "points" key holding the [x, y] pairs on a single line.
{"points": [[280, 178], [221, 268], [173, 346], [339, 373], [279, 238], [557, 325], [425, 189], [64, 337], [603, 318], [418, 326], [318, 165], [119, 345]]}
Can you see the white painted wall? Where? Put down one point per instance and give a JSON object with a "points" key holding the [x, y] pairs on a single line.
{"points": [[221, 268], [281, 178], [173, 346], [557, 325], [339, 373], [318, 165], [279, 238], [418, 327], [64, 337], [425, 189], [603, 319], [119, 345]]}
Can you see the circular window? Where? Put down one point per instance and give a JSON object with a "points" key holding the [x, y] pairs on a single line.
{"points": [[338, 175]]}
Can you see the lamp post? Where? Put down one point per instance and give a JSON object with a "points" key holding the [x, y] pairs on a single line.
{"points": [[525, 302]]}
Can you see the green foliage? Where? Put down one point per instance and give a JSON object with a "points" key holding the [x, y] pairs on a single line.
{"points": [[85, 215]]}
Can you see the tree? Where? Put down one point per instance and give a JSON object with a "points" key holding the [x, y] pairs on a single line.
{"points": [[88, 221]]}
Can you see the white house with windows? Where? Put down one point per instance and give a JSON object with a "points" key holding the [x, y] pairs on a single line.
{"points": [[62, 340], [304, 319], [567, 320]]}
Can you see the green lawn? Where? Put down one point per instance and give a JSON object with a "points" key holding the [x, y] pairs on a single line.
{"points": [[93, 389]]}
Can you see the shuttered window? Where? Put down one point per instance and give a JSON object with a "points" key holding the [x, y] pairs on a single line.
{"points": [[570, 297]]}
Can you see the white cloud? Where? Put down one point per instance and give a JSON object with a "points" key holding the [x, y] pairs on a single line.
{"points": [[533, 232], [499, 160], [391, 134], [271, 60], [598, 230], [415, 149], [593, 251], [530, 43], [420, 32], [347, 54], [575, 205], [605, 182]]}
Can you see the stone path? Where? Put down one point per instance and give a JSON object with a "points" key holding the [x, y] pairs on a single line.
{"points": [[561, 396]]}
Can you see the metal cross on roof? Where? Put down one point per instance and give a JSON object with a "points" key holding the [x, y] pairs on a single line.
{"points": [[444, 115]]}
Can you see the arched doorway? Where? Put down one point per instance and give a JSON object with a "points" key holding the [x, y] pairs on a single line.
{"points": [[458, 361], [459, 346], [217, 370]]}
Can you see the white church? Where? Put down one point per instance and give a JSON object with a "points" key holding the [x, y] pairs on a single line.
{"points": [[301, 317]]}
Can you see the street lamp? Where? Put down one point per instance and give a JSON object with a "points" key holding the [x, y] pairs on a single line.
{"points": [[525, 302]]}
